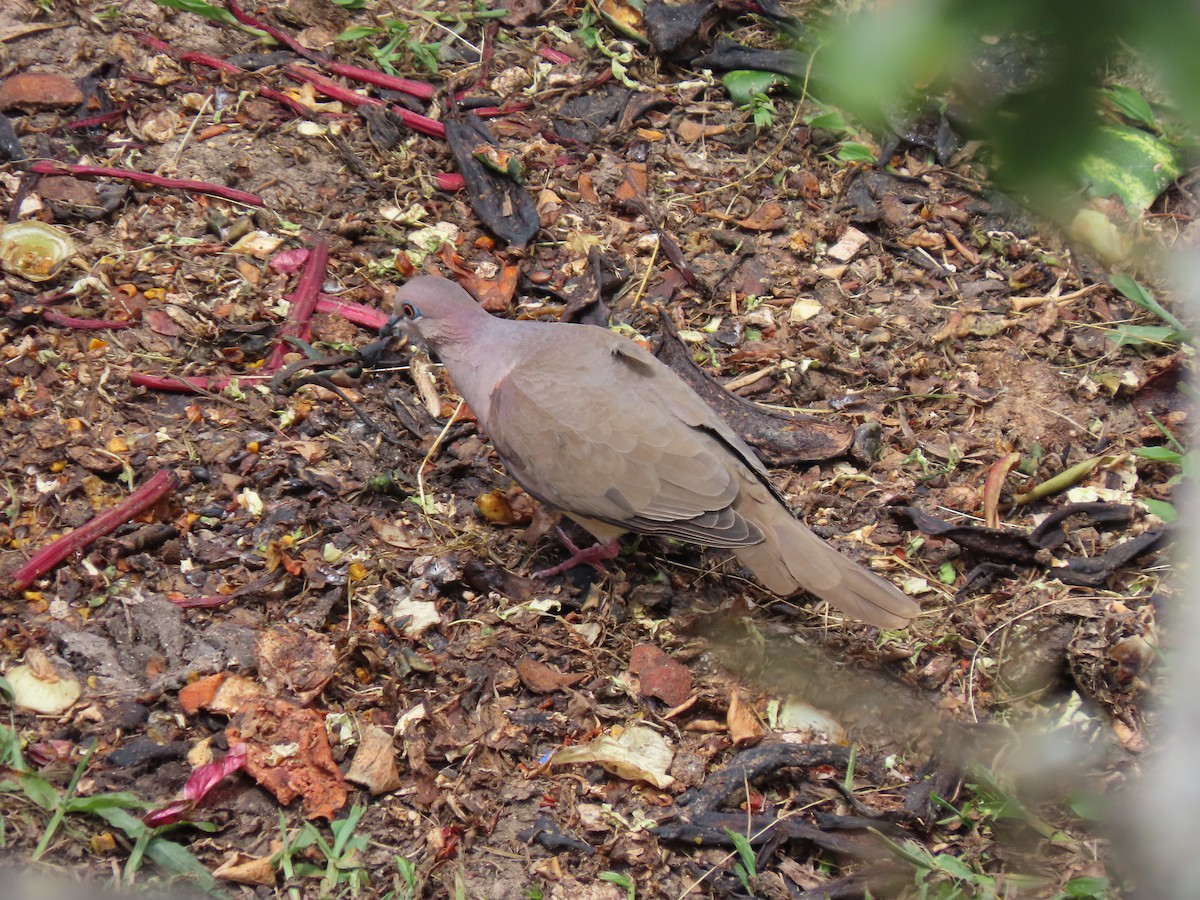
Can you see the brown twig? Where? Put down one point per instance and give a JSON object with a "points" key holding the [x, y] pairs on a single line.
{"points": [[56, 551], [49, 167]]}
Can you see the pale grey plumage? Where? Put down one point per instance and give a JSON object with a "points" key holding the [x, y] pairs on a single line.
{"points": [[593, 425]]}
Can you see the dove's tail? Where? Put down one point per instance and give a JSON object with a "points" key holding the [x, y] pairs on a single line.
{"points": [[791, 558]]}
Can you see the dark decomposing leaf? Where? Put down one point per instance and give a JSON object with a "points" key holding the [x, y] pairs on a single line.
{"points": [[727, 55], [699, 823], [583, 118], [679, 33], [781, 439], [1034, 548], [586, 304], [503, 206], [546, 833]]}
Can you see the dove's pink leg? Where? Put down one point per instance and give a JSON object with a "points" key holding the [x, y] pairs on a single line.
{"points": [[594, 556]]}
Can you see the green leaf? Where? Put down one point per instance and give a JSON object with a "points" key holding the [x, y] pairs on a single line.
{"points": [[1158, 454], [1137, 335], [622, 881], [1132, 290], [955, 867], [1161, 508], [351, 4], [357, 32], [745, 852], [1132, 105], [1131, 163], [115, 800], [829, 120], [1086, 886], [36, 788], [744, 84], [208, 10], [854, 152]]}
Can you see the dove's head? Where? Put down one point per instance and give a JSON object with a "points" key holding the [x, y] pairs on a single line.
{"points": [[436, 312]]}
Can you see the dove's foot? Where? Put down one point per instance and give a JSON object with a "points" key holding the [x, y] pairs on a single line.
{"points": [[595, 556]]}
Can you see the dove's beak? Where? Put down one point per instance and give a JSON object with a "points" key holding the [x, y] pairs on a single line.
{"points": [[391, 328]]}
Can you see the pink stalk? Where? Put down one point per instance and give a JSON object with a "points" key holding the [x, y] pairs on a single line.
{"points": [[56, 551], [420, 123], [180, 384], [555, 56], [48, 167], [303, 303], [54, 317], [380, 79], [352, 312], [332, 89], [199, 59], [491, 112], [279, 97], [202, 780], [93, 121], [450, 181]]}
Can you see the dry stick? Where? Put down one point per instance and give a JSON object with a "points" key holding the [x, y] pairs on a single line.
{"points": [[48, 167], [56, 551], [303, 303], [331, 88], [380, 79]]}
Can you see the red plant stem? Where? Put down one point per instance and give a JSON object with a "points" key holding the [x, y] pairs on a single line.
{"points": [[48, 167], [163, 483], [54, 317], [180, 384], [303, 303], [93, 121], [420, 123], [352, 312], [418, 89], [490, 112], [279, 97], [370, 76], [450, 181], [555, 56], [199, 59], [331, 88]]}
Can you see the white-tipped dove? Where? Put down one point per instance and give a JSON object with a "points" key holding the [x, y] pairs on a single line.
{"points": [[591, 424]]}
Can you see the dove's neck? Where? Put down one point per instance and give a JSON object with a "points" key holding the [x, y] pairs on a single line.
{"points": [[477, 360]]}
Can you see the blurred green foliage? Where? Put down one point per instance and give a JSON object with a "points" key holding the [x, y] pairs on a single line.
{"points": [[1028, 76]]}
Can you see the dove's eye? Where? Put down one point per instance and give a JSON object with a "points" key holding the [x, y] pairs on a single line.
{"points": [[409, 311]]}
